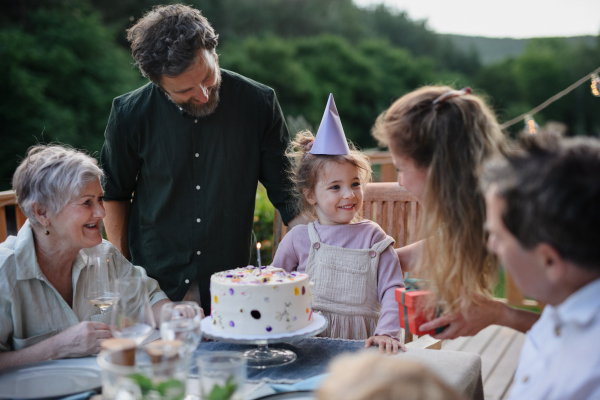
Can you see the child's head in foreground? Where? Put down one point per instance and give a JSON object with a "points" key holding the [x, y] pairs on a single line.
{"points": [[328, 187], [543, 214], [370, 376]]}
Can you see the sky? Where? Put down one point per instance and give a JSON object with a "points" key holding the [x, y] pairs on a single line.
{"points": [[503, 18]]}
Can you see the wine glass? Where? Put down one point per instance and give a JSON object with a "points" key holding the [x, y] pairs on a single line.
{"points": [[132, 315], [181, 321], [100, 289]]}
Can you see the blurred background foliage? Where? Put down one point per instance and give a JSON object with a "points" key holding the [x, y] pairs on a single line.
{"points": [[264, 213], [63, 61]]}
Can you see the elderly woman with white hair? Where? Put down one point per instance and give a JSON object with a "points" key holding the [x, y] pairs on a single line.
{"points": [[43, 311]]}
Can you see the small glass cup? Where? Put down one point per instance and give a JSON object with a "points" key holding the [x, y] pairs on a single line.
{"points": [[222, 375], [181, 321], [146, 379]]}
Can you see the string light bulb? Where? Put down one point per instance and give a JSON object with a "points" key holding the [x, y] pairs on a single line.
{"points": [[595, 85], [531, 127]]}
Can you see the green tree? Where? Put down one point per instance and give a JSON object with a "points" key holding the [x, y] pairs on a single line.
{"points": [[61, 69], [237, 20], [364, 78], [546, 67], [273, 61]]}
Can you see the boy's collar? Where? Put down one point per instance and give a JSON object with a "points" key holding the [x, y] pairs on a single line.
{"points": [[580, 307]]}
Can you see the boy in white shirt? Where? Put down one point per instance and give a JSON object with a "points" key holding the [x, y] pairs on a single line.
{"points": [[543, 219]]}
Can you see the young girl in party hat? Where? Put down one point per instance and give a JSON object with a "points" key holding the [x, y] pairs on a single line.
{"points": [[351, 261]]}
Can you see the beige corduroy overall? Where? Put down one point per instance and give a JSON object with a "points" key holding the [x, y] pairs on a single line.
{"points": [[345, 286]]}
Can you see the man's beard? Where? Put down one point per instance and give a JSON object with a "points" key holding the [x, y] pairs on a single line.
{"points": [[204, 109]]}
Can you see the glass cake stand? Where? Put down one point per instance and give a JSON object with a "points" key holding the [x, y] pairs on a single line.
{"points": [[263, 357]]}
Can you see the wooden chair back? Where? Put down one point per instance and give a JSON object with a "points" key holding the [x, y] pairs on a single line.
{"points": [[8, 198], [395, 209]]}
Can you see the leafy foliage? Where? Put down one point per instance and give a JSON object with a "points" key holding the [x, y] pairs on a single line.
{"points": [[63, 61], [60, 71], [264, 213], [225, 392], [365, 78], [237, 20], [170, 389]]}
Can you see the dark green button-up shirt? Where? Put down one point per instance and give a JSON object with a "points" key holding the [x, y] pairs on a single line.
{"points": [[194, 180]]}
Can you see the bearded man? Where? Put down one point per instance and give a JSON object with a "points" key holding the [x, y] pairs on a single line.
{"points": [[183, 156]]}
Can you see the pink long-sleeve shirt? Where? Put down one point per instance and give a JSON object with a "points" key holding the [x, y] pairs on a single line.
{"points": [[294, 249]]}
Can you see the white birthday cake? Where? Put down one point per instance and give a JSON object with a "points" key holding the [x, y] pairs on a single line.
{"points": [[260, 301]]}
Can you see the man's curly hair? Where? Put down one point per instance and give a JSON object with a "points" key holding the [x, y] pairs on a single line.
{"points": [[166, 39]]}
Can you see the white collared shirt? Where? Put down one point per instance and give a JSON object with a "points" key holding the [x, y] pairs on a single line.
{"points": [[31, 309], [561, 355]]}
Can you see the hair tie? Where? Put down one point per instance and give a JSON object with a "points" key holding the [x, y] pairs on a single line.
{"points": [[307, 148], [450, 95]]}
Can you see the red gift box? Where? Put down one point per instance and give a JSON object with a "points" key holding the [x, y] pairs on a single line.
{"points": [[412, 311]]}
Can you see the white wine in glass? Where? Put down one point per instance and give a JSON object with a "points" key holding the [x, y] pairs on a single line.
{"points": [[100, 289], [103, 302]]}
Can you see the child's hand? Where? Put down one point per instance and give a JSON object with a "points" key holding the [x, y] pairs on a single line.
{"points": [[386, 344]]}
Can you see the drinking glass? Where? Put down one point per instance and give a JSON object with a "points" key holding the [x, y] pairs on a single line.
{"points": [[181, 321], [222, 375], [132, 315], [100, 289]]}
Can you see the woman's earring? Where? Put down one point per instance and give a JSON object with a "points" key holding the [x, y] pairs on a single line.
{"points": [[47, 233]]}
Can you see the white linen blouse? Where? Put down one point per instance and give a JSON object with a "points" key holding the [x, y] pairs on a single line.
{"points": [[31, 309]]}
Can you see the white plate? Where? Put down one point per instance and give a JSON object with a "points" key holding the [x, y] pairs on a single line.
{"points": [[50, 379], [318, 325]]}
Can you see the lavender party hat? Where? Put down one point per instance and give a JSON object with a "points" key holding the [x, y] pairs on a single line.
{"points": [[330, 137]]}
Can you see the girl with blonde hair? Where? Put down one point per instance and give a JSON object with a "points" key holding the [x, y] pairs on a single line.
{"points": [[351, 261], [439, 139]]}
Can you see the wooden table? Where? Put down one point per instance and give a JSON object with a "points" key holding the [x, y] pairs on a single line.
{"points": [[499, 348]]}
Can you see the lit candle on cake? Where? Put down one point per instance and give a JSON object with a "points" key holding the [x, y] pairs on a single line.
{"points": [[258, 245]]}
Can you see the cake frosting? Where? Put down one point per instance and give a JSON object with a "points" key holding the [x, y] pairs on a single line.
{"points": [[260, 301]]}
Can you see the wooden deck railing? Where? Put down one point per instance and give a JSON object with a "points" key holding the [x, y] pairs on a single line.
{"points": [[388, 171]]}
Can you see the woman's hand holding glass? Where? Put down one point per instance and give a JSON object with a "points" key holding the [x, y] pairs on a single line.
{"points": [[181, 321], [81, 340]]}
